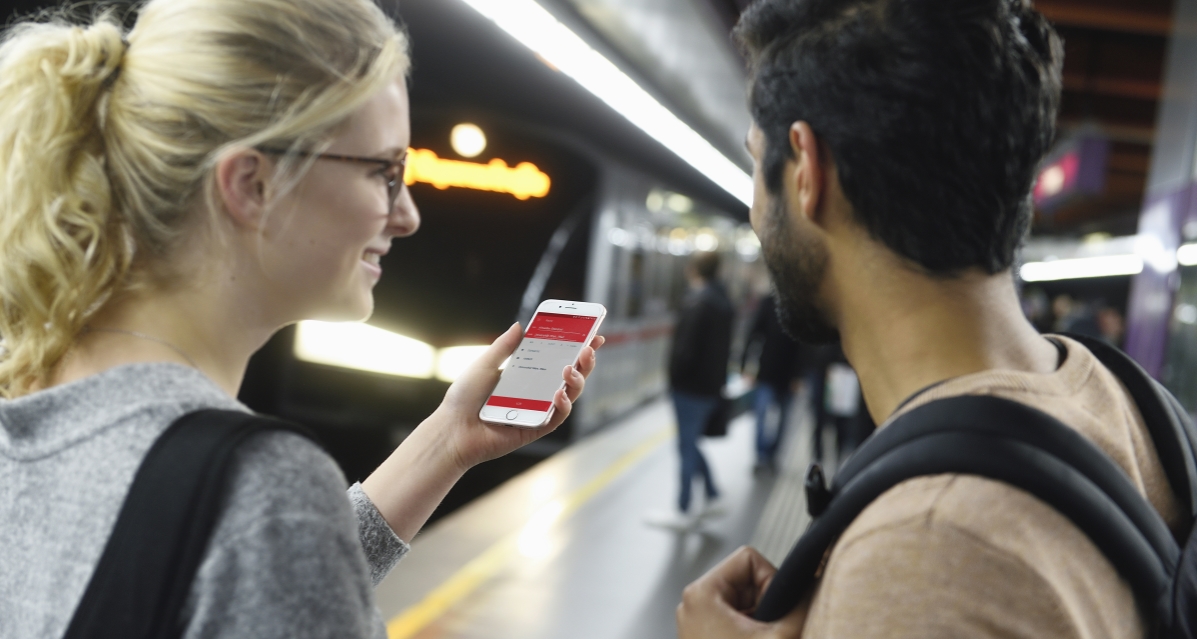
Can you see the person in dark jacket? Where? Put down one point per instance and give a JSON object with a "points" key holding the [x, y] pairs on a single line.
{"points": [[779, 368], [697, 372]]}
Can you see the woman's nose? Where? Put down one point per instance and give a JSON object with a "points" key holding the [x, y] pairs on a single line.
{"points": [[405, 217]]}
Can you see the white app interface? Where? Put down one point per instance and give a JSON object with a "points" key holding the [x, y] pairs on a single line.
{"points": [[533, 373]]}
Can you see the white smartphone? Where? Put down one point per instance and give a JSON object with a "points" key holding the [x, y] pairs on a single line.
{"points": [[553, 340]]}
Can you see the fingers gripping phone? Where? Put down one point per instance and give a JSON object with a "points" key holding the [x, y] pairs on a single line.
{"points": [[554, 339]]}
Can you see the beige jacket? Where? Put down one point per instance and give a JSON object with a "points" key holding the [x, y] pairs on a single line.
{"points": [[961, 556]]}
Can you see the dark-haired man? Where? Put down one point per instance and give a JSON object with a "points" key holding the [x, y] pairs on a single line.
{"points": [[895, 145]]}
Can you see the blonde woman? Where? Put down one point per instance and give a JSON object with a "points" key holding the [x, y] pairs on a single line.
{"points": [[169, 198]]}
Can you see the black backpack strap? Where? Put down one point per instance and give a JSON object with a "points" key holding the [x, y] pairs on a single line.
{"points": [[1006, 419], [145, 573], [1001, 440], [1168, 423]]}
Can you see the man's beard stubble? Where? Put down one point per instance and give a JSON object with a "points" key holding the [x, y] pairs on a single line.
{"points": [[797, 265]]}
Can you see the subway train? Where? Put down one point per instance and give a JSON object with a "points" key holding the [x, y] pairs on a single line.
{"points": [[511, 215]]}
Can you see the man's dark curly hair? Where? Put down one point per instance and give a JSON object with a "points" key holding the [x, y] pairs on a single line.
{"points": [[936, 113]]}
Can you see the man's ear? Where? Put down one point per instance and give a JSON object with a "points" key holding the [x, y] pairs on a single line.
{"points": [[241, 179], [807, 175]]}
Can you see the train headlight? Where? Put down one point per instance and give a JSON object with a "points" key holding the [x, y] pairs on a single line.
{"points": [[453, 361], [363, 347]]}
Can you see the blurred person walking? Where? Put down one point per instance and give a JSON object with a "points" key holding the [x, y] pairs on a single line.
{"points": [[170, 197], [698, 361], [844, 407], [779, 368]]}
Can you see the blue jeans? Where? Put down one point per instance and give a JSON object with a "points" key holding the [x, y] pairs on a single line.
{"points": [[692, 413], [766, 445]]}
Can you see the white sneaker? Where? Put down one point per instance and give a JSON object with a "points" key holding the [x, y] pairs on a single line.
{"points": [[674, 520], [712, 508]]}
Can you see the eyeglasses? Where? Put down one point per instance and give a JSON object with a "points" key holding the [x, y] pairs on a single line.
{"points": [[392, 170]]}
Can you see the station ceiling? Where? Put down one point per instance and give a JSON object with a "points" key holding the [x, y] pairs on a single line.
{"points": [[1114, 61], [1114, 52]]}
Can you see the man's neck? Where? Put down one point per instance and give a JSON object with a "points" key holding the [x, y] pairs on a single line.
{"points": [[907, 331]]}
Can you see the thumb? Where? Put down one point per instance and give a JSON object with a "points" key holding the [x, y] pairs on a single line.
{"points": [[501, 348]]}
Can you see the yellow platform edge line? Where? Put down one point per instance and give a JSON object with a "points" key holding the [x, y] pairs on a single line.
{"points": [[483, 567]]}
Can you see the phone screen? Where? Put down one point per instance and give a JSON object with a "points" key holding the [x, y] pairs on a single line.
{"points": [[533, 373]]}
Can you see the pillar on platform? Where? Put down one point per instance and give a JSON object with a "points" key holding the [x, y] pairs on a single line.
{"points": [[1162, 339]]}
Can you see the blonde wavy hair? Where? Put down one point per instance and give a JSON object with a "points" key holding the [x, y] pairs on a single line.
{"points": [[108, 141]]}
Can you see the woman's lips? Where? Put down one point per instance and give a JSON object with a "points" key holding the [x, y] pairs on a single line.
{"points": [[371, 260]]}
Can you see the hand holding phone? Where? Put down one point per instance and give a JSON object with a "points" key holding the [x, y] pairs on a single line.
{"points": [[417, 475], [554, 339]]}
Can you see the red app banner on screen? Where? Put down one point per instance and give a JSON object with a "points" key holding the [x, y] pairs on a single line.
{"points": [[568, 328], [533, 373]]}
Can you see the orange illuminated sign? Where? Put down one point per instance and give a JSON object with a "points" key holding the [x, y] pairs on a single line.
{"points": [[523, 180]]}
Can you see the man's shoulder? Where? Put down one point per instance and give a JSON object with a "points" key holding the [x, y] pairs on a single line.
{"points": [[984, 511], [944, 535], [955, 544], [1088, 398]]}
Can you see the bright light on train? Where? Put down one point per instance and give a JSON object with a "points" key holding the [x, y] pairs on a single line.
{"points": [[467, 139], [680, 242], [363, 347], [706, 240], [654, 201], [538, 30], [1081, 267], [680, 203], [451, 362], [620, 237]]}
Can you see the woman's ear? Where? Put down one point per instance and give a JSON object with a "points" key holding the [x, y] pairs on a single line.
{"points": [[241, 180]]}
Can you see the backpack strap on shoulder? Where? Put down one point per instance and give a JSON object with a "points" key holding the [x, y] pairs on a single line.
{"points": [[1001, 440], [144, 575], [1168, 423]]}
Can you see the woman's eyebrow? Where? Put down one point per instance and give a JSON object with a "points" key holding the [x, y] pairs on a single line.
{"points": [[391, 152]]}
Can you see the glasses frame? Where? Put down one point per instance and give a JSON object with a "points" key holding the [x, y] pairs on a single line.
{"points": [[395, 183]]}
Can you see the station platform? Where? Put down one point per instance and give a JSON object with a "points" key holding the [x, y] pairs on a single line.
{"points": [[563, 549]]}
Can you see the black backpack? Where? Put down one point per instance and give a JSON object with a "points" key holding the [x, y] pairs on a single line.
{"points": [[1010, 442], [145, 573]]}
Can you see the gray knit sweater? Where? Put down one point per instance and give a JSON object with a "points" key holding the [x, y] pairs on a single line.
{"points": [[290, 557]]}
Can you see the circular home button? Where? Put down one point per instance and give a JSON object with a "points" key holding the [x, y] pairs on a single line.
{"points": [[512, 414]]}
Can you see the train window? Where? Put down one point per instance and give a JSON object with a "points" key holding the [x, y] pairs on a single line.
{"points": [[636, 284]]}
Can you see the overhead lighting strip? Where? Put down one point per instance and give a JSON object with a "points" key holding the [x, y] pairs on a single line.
{"points": [[1082, 267], [537, 29], [1148, 253]]}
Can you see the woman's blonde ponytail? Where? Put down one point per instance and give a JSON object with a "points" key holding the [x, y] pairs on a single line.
{"points": [[62, 244], [108, 140]]}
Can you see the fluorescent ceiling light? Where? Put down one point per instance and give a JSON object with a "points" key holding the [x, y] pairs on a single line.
{"points": [[1081, 267], [363, 347], [538, 30], [1187, 255], [453, 361]]}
